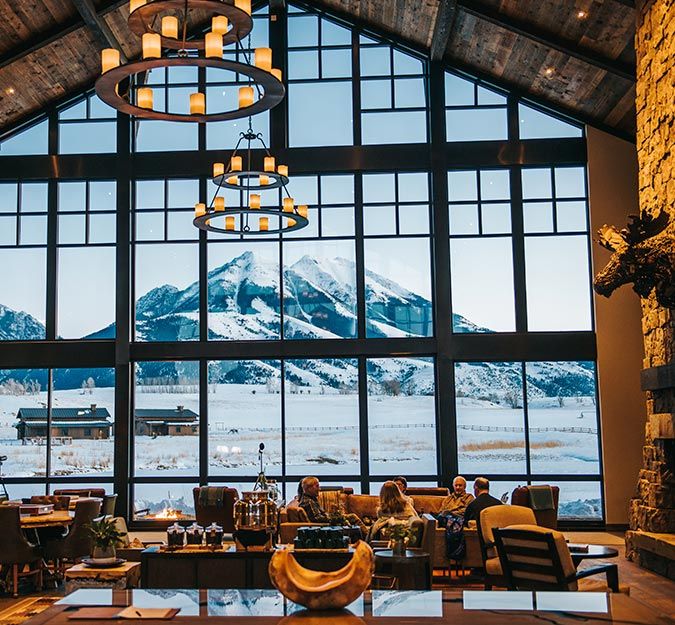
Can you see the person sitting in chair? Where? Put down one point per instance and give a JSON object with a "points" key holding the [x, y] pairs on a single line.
{"points": [[393, 505], [309, 502], [456, 502], [481, 489], [402, 484]]}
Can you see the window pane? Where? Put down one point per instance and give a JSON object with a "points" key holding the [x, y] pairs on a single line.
{"points": [[71, 228], [8, 197], [243, 291], [182, 193], [102, 228], [494, 185], [462, 186], [82, 422], [337, 189], [496, 218], [303, 30], [23, 401], [376, 94], [319, 290], [379, 220], [375, 61], [398, 288], [72, 196], [538, 216], [570, 182], [536, 125], [160, 136], [8, 230], [86, 293], [490, 418], [310, 108], [166, 418], [401, 416], [413, 187], [571, 216], [562, 417], [334, 35], [536, 184], [149, 226], [322, 406], [87, 137], [337, 222], [33, 197], [33, 140], [458, 92], [336, 63], [481, 271], [394, 127], [303, 64], [413, 219], [410, 93], [24, 300], [557, 282], [580, 500], [476, 124], [149, 194], [379, 188], [406, 64], [244, 410], [167, 292], [159, 499], [33, 230]]}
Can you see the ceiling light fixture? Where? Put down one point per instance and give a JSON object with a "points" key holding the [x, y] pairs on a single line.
{"points": [[159, 32], [251, 218], [582, 15]]}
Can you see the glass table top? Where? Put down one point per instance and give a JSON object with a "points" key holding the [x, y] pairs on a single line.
{"points": [[377, 603]]}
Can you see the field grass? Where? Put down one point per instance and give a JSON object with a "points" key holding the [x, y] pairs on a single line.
{"points": [[497, 444]]}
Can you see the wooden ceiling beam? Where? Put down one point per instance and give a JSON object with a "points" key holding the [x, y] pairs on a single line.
{"points": [[45, 38], [443, 27], [547, 39], [98, 26]]}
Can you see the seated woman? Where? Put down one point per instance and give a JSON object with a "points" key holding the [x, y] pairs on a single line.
{"points": [[393, 505]]}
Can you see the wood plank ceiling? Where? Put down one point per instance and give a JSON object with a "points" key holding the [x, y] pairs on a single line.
{"points": [[576, 56]]}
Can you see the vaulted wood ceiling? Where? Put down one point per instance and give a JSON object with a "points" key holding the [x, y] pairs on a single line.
{"points": [[574, 55]]}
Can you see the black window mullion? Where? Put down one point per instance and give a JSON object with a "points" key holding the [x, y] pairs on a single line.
{"points": [[364, 443], [359, 243], [526, 420], [203, 422], [52, 259], [356, 89]]}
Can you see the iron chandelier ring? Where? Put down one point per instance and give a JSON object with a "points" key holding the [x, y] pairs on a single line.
{"points": [[279, 180], [201, 221], [141, 19], [273, 89]]}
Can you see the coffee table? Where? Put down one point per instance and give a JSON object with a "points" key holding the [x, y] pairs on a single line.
{"points": [[595, 552], [126, 575]]}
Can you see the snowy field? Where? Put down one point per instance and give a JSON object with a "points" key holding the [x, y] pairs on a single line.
{"points": [[322, 438]]}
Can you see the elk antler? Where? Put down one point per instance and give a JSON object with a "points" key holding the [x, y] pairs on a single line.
{"points": [[644, 226], [610, 238]]}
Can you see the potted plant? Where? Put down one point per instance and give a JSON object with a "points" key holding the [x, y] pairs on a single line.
{"points": [[399, 533], [105, 536]]}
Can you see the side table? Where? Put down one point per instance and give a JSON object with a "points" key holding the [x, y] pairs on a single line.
{"points": [[411, 570], [125, 575]]}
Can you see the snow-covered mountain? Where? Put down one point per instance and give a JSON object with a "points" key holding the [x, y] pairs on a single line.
{"points": [[319, 298]]}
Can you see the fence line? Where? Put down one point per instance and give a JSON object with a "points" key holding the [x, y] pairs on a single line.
{"points": [[475, 428]]}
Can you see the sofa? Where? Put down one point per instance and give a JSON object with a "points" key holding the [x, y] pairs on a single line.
{"points": [[365, 506]]}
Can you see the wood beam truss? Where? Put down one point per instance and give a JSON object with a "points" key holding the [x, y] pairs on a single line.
{"points": [[443, 27]]}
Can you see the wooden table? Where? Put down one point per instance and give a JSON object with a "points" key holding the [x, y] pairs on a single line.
{"points": [[411, 570], [224, 568], [265, 607], [54, 519], [127, 575]]}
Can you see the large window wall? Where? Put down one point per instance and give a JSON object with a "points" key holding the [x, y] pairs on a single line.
{"points": [[383, 339]]}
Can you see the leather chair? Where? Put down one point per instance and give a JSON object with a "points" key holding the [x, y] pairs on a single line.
{"points": [[498, 517], [60, 502], [522, 496], [78, 542], [538, 558], [15, 550], [215, 504]]}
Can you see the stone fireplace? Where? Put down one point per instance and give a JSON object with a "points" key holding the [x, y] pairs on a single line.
{"points": [[651, 539]]}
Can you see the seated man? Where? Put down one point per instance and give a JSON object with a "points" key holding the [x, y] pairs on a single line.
{"points": [[309, 502], [402, 484], [456, 502], [481, 489]]}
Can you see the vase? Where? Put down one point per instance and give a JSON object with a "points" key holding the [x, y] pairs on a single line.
{"points": [[398, 547], [104, 555]]}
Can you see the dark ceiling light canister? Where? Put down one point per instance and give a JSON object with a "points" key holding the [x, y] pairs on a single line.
{"points": [[251, 218], [230, 23]]}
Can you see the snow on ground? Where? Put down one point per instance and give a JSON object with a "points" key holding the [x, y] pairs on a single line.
{"points": [[322, 437]]}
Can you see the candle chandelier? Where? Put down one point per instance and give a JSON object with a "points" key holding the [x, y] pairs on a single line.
{"points": [[251, 218], [160, 30]]}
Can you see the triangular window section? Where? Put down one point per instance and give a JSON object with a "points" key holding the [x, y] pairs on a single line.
{"points": [[31, 141], [537, 125]]}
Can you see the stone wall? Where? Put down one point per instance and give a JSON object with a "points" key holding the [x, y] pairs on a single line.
{"points": [[653, 507]]}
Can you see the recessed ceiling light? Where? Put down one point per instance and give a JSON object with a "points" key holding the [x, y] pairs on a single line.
{"points": [[10, 91], [549, 71], [582, 15]]}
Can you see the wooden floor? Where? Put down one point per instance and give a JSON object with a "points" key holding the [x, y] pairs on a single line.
{"points": [[649, 588]]}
